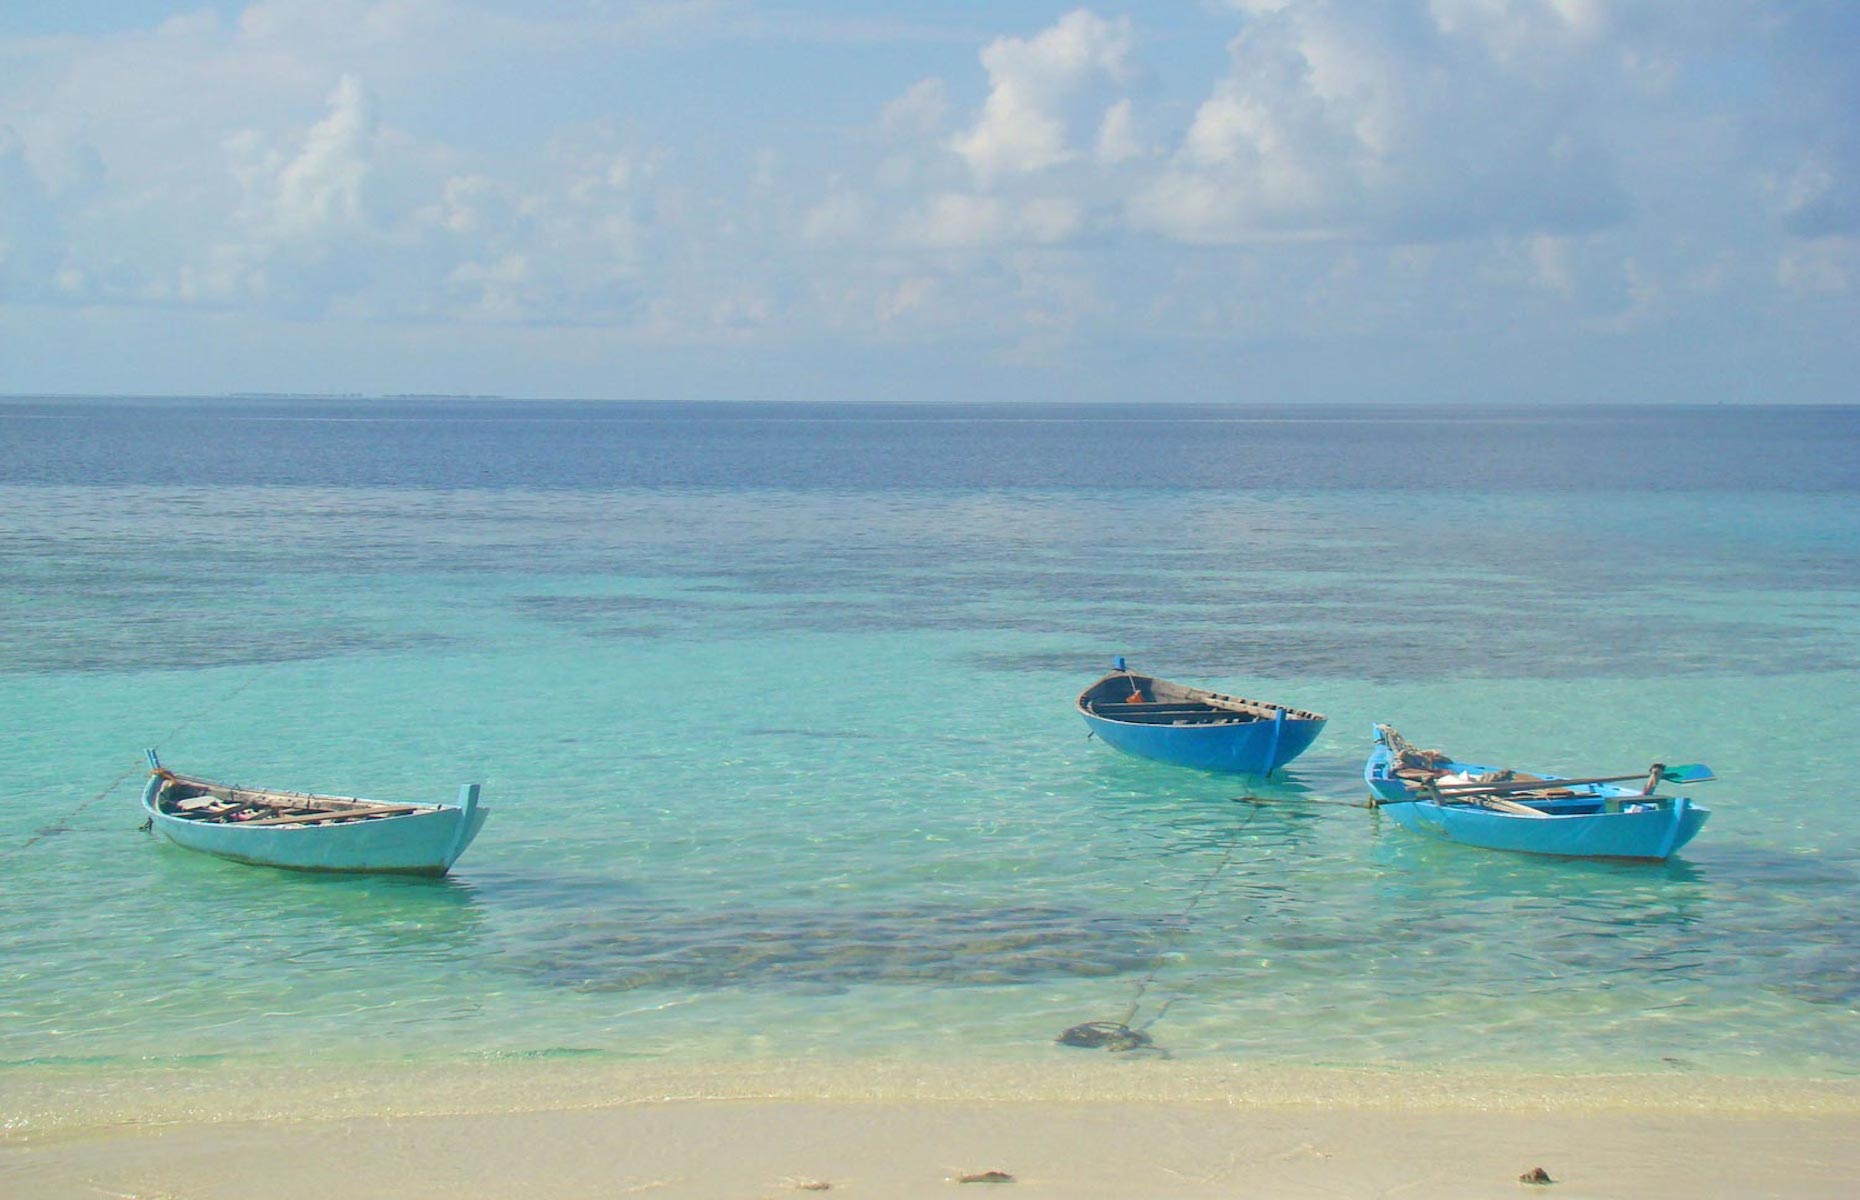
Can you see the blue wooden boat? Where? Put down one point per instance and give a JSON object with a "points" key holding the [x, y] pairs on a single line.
{"points": [[1193, 727], [305, 832], [1502, 809]]}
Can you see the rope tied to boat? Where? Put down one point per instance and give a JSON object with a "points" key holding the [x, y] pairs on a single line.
{"points": [[63, 824], [1120, 1036]]}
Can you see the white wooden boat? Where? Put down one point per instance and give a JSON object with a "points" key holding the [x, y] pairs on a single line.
{"points": [[303, 831]]}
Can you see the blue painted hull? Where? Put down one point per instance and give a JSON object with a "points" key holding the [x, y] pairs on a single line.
{"points": [[1599, 821], [426, 842], [1234, 735], [1241, 749]]}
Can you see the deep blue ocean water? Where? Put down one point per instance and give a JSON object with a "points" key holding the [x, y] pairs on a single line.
{"points": [[773, 708]]}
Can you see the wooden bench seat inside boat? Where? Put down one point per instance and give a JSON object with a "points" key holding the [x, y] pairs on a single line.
{"points": [[343, 814], [1166, 712]]}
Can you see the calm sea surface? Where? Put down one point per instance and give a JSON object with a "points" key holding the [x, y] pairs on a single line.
{"points": [[772, 706]]}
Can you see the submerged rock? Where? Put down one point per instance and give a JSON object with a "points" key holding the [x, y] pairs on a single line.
{"points": [[821, 950]]}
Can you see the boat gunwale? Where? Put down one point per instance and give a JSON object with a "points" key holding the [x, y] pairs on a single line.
{"points": [[279, 798], [1414, 794], [1255, 710]]}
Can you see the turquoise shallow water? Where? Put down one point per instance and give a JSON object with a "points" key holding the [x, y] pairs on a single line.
{"points": [[782, 768]]}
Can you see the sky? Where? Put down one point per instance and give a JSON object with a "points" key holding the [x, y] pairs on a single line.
{"points": [[1542, 201]]}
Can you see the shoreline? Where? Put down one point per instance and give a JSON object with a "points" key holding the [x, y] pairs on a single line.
{"points": [[893, 1129], [38, 1102]]}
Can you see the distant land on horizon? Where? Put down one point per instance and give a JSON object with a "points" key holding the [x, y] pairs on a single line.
{"points": [[1573, 405]]}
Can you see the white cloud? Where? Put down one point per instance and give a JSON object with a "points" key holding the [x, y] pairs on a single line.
{"points": [[1349, 169], [321, 191], [921, 110], [501, 290], [1336, 123], [469, 204], [909, 296], [1551, 256], [31, 242], [1823, 267], [1047, 220], [1024, 125], [1519, 32], [956, 220], [1117, 136], [301, 237], [844, 218], [1820, 194]]}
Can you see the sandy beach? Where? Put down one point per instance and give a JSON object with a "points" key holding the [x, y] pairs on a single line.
{"points": [[901, 1130]]}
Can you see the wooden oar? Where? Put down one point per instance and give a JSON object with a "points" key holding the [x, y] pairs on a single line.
{"points": [[1688, 773], [1496, 803], [1528, 785]]}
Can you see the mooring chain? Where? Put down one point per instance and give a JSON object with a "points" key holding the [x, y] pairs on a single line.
{"points": [[64, 824], [1121, 1035]]}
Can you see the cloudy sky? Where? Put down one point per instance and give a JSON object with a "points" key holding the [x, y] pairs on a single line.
{"points": [[1263, 200]]}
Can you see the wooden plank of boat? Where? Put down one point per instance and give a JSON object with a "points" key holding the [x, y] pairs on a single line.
{"points": [[1262, 710], [1118, 709], [281, 800], [223, 804], [1510, 806], [1176, 716], [1433, 792], [341, 814]]}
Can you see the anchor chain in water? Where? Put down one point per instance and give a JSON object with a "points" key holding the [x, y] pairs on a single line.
{"points": [[1121, 1036], [63, 824]]}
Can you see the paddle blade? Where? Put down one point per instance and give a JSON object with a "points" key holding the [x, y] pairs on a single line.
{"points": [[1687, 773]]}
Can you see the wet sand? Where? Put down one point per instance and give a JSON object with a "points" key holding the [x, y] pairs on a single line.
{"points": [[903, 1130]]}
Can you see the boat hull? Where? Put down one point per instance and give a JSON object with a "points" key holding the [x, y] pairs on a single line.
{"points": [[1648, 828], [422, 843], [1249, 749]]}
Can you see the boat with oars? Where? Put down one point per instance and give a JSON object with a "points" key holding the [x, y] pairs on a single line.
{"points": [[1194, 727], [303, 831], [1611, 816]]}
